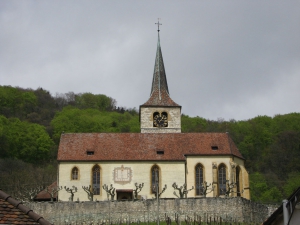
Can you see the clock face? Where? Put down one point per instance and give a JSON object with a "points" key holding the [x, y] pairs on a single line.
{"points": [[160, 121]]}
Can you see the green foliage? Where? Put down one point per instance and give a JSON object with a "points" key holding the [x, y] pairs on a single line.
{"points": [[287, 122], [196, 124], [16, 102], [284, 154], [293, 182], [261, 190], [23, 140], [91, 101], [74, 120], [258, 186], [271, 195]]}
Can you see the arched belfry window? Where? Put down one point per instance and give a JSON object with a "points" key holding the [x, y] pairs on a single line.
{"points": [[199, 179], [160, 119], [74, 174], [237, 175], [96, 179], [222, 179], [154, 179]]}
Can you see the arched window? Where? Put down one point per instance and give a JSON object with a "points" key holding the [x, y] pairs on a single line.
{"points": [[154, 179], [96, 179], [155, 114], [222, 179], [237, 175], [199, 179], [164, 116], [74, 175]]}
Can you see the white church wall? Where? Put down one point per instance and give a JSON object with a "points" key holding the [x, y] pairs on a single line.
{"points": [[207, 163], [170, 172]]}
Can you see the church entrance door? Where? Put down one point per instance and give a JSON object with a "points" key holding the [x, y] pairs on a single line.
{"points": [[124, 194]]}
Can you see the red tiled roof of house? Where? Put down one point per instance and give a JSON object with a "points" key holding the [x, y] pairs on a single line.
{"points": [[44, 195], [14, 212], [143, 146]]}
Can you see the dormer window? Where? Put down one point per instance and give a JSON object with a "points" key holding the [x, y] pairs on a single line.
{"points": [[160, 152], [90, 152], [214, 147]]}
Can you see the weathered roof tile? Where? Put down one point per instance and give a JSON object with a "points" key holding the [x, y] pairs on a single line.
{"points": [[142, 146], [14, 212], [159, 95]]}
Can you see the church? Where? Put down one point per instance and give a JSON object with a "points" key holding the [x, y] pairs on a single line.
{"points": [[207, 164]]}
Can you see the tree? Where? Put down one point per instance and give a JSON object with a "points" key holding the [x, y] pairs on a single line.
{"points": [[110, 191], [72, 191], [138, 188], [23, 180], [261, 191], [182, 191], [52, 191], [292, 183], [284, 154], [258, 186], [196, 124], [71, 119], [16, 102], [91, 101], [26, 141], [90, 192]]}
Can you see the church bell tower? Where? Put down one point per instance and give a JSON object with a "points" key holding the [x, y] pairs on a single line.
{"points": [[160, 114]]}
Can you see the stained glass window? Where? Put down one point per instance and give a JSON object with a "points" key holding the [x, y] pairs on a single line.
{"points": [[222, 180], [154, 179], [96, 180], [199, 180], [238, 181]]}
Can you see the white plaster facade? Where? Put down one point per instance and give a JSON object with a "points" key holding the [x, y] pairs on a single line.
{"points": [[170, 172], [210, 166]]}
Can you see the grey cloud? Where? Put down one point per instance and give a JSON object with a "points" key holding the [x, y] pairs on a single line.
{"points": [[233, 59]]}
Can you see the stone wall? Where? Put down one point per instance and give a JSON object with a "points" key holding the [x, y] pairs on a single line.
{"points": [[174, 119], [229, 209]]}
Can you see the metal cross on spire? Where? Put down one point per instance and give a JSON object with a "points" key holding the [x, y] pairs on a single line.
{"points": [[158, 24]]}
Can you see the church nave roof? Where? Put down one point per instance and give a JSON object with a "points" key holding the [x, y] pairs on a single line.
{"points": [[143, 146]]}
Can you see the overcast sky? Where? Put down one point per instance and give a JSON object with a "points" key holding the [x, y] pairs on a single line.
{"points": [[223, 59]]}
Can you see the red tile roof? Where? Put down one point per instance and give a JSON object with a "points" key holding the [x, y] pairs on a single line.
{"points": [[14, 212], [142, 146], [44, 195]]}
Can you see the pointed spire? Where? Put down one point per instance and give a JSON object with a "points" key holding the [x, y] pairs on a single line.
{"points": [[159, 95], [159, 82]]}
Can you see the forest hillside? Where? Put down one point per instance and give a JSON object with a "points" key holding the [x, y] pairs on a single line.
{"points": [[31, 122]]}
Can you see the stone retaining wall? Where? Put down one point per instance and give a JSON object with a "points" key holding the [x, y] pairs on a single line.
{"points": [[229, 209]]}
